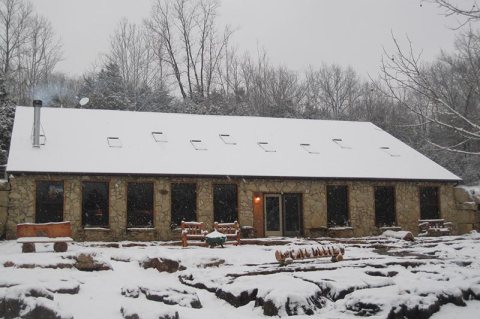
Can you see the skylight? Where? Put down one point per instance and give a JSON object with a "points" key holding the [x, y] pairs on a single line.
{"points": [[114, 142], [340, 143], [387, 150], [309, 148], [227, 139], [159, 137], [267, 147], [199, 145]]}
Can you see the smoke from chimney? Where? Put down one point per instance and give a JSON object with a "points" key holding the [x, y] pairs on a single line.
{"points": [[37, 105]]}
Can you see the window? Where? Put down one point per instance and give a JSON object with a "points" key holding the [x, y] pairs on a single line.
{"points": [[389, 151], [228, 139], [114, 142], [140, 205], [159, 137], [337, 206], [292, 210], [384, 206], [225, 203], [429, 204], [199, 145], [267, 147], [49, 202], [184, 203], [309, 148], [340, 143], [95, 204]]}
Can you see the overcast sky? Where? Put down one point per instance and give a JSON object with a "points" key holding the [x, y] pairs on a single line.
{"points": [[295, 33]]}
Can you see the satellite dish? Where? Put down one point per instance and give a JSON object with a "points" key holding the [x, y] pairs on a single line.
{"points": [[84, 101]]}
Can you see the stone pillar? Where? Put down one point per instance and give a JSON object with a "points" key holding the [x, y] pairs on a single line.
{"points": [[22, 203], [118, 208], [362, 208], [162, 208], [205, 203], [408, 206], [314, 207], [245, 204], [72, 211]]}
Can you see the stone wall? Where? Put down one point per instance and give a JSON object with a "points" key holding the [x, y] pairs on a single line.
{"points": [[360, 199], [4, 189], [467, 212]]}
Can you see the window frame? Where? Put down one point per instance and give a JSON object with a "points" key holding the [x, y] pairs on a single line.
{"points": [[153, 204], [394, 204], [36, 197], [347, 205], [438, 204], [214, 185], [107, 183], [172, 225]]}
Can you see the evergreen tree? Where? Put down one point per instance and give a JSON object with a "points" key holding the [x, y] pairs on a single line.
{"points": [[7, 113], [106, 90]]}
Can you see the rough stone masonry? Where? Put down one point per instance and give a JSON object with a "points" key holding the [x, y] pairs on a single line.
{"points": [[21, 200]]}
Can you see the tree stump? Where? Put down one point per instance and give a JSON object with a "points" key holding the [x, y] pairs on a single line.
{"points": [[28, 248], [60, 247]]}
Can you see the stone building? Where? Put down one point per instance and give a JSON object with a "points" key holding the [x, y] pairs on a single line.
{"points": [[120, 175]]}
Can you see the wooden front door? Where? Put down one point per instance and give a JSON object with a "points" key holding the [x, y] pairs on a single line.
{"points": [[273, 215]]}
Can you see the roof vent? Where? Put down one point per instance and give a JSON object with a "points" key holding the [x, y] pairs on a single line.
{"points": [[114, 142], [199, 145], [387, 150], [267, 147], [159, 137], [340, 143], [309, 148], [227, 139]]}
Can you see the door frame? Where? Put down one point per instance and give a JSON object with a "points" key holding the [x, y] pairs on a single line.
{"points": [[280, 214], [299, 213], [281, 198]]}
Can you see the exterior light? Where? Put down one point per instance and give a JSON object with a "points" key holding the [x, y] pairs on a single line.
{"points": [[257, 199]]}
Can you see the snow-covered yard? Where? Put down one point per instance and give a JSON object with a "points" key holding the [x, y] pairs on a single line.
{"points": [[380, 278]]}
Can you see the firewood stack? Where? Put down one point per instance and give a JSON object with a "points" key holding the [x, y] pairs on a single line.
{"points": [[287, 255]]}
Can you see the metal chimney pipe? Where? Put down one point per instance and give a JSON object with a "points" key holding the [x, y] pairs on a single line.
{"points": [[37, 105]]}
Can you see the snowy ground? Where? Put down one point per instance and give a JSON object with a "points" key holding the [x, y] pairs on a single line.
{"points": [[379, 278]]}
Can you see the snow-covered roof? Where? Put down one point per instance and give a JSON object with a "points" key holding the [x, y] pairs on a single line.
{"points": [[121, 142]]}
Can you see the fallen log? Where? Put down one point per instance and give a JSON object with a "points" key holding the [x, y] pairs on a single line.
{"points": [[401, 234], [287, 255]]}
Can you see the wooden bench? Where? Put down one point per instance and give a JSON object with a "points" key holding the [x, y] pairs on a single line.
{"points": [[193, 231], [57, 233], [434, 227], [231, 230]]}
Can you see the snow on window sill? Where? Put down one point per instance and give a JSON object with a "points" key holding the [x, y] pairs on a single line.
{"points": [[336, 228], [140, 229], [96, 228], [390, 228]]}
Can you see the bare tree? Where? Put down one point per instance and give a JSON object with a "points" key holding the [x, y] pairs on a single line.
{"points": [[332, 90], [140, 61], [469, 10], [443, 95], [14, 20], [193, 45], [37, 59], [29, 50]]}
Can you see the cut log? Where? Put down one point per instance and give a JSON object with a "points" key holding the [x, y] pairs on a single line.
{"points": [[312, 251], [28, 248]]}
